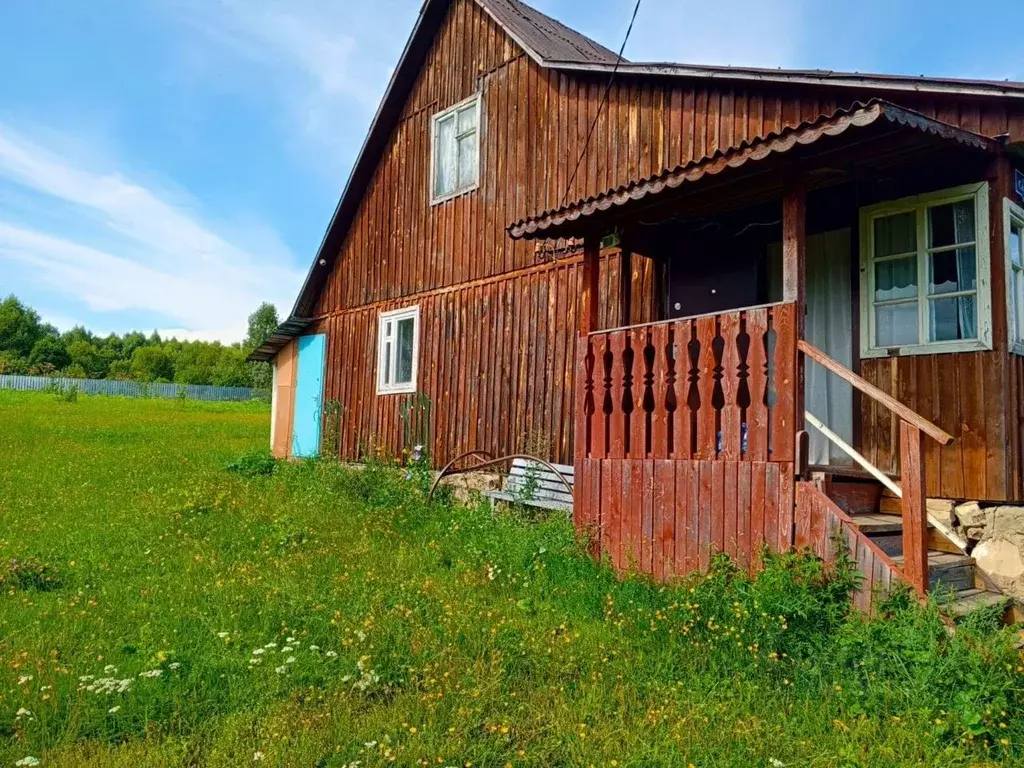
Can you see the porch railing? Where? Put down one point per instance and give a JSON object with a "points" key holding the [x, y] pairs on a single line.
{"points": [[719, 386], [913, 428]]}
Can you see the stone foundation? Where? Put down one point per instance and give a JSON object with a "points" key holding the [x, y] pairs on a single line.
{"points": [[995, 538], [467, 487]]}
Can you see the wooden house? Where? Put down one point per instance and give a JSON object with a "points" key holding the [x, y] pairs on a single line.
{"points": [[654, 271]]}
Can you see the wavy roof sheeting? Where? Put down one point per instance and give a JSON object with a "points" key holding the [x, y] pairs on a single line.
{"points": [[550, 223]]}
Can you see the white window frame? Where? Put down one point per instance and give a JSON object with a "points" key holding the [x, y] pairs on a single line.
{"points": [[434, 121], [395, 316], [1013, 214], [982, 253]]}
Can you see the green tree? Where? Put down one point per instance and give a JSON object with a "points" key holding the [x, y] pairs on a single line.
{"points": [[78, 333], [262, 323], [20, 327], [49, 351], [152, 364], [11, 363], [75, 371], [120, 370], [85, 355], [196, 362], [232, 370]]}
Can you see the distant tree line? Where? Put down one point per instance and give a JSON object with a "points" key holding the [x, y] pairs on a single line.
{"points": [[31, 347]]}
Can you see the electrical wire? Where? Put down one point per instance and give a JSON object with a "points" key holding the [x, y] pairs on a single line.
{"points": [[600, 107]]}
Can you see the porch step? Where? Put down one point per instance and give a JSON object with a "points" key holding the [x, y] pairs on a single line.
{"points": [[967, 600], [875, 522], [947, 571]]}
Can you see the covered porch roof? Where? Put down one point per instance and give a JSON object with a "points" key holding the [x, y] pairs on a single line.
{"points": [[866, 135]]}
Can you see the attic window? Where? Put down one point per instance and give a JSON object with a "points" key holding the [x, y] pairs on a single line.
{"points": [[456, 148]]}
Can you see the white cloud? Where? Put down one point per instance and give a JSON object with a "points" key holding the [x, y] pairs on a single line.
{"points": [[140, 248], [326, 61]]}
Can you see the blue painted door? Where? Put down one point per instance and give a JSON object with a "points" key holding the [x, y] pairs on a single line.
{"points": [[309, 396]]}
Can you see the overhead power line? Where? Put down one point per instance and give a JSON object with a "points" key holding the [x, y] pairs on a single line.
{"points": [[600, 107]]}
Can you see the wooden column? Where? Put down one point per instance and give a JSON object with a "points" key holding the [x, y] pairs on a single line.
{"points": [[915, 514], [794, 289], [590, 286], [586, 513], [625, 288]]}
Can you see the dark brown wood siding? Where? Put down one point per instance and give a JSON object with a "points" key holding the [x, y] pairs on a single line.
{"points": [[497, 334]]}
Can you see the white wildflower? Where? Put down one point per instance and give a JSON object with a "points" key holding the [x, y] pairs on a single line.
{"points": [[259, 652], [491, 572], [85, 678], [28, 761], [775, 763], [287, 649], [369, 744], [222, 635], [109, 669], [256, 661], [151, 673], [174, 665], [270, 645], [281, 670], [290, 640], [22, 712], [331, 654], [257, 756], [24, 679], [314, 647], [113, 710], [108, 685], [361, 635], [45, 688], [290, 660]]}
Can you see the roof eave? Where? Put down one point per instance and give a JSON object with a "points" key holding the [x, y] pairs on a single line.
{"points": [[569, 220], [1008, 89]]}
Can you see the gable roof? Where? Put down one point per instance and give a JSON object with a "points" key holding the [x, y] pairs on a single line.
{"points": [[545, 39], [552, 45]]}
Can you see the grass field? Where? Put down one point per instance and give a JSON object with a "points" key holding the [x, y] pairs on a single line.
{"points": [[159, 610]]}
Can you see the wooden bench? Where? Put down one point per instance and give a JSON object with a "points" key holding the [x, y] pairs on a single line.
{"points": [[534, 485]]}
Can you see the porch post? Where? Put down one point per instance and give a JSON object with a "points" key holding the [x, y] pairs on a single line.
{"points": [[794, 290], [590, 285], [585, 514]]}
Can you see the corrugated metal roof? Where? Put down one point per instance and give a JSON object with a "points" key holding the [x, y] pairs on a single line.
{"points": [[552, 224], [829, 77], [546, 39], [285, 332]]}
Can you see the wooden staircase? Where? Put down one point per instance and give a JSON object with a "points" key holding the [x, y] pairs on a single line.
{"points": [[953, 576]]}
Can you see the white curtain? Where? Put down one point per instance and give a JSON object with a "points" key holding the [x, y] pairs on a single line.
{"points": [[829, 328]]}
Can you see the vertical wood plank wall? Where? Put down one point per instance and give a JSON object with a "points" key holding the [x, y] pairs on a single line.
{"points": [[284, 394], [497, 332]]}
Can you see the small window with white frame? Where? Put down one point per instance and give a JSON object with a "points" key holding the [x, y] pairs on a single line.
{"points": [[398, 351], [925, 274], [1015, 273], [455, 139]]}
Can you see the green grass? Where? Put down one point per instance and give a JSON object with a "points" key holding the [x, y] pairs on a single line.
{"points": [[424, 634]]}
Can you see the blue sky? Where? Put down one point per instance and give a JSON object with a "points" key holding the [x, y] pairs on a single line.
{"points": [[170, 164]]}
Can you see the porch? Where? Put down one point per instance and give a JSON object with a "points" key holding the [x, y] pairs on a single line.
{"points": [[698, 433]]}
